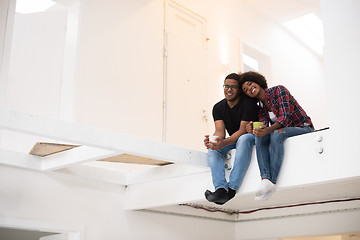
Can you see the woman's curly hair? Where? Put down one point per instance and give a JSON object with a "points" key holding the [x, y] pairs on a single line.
{"points": [[253, 77]]}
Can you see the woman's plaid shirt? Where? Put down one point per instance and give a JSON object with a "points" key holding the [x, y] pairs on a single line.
{"points": [[287, 110]]}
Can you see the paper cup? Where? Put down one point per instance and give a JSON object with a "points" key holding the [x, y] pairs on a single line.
{"points": [[213, 139]]}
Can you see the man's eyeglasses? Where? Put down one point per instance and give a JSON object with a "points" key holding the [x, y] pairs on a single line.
{"points": [[233, 87]]}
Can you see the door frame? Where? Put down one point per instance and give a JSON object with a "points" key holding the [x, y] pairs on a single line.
{"points": [[167, 4]]}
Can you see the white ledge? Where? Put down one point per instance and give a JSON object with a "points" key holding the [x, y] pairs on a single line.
{"points": [[304, 167], [75, 133]]}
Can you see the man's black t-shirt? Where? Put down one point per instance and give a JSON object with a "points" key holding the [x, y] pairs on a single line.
{"points": [[245, 110]]}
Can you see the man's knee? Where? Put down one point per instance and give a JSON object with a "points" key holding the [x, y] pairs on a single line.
{"points": [[247, 139], [212, 152]]}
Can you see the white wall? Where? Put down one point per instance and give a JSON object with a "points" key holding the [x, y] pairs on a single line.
{"points": [[293, 65], [35, 66], [3, 15], [95, 209], [120, 64], [342, 57], [119, 81], [342, 52], [120, 74], [119, 87]]}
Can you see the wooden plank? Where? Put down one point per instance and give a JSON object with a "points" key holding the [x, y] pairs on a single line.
{"points": [[128, 158], [43, 149]]}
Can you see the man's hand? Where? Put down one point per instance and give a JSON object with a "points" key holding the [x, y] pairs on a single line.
{"points": [[213, 145], [207, 142], [219, 144], [249, 128]]}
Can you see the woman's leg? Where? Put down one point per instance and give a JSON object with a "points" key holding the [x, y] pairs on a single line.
{"points": [[263, 155], [277, 147]]}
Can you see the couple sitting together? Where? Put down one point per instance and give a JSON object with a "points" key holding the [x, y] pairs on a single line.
{"points": [[248, 99]]}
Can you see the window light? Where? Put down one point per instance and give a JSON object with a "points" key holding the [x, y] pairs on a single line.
{"points": [[33, 6], [309, 29], [251, 62]]}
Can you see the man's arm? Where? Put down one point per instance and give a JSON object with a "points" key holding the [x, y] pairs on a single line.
{"points": [[232, 139], [219, 131]]}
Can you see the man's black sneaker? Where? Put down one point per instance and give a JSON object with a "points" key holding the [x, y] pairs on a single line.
{"points": [[231, 193], [220, 196]]}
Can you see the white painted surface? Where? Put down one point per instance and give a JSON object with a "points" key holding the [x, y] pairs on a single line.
{"points": [[120, 65], [84, 135], [33, 229], [186, 94], [7, 21], [120, 73], [61, 236], [35, 65], [303, 169], [98, 207], [119, 69], [68, 81], [186, 114], [4, 5], [342, 55], [301, 226]]}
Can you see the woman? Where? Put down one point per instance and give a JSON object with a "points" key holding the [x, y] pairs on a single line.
{"points": [[283, 117]]}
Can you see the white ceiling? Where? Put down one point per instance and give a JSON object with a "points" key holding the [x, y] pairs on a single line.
{"points": [[283, 10]]}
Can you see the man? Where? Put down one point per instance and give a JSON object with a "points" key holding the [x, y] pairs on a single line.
{"points": [[230, 114]]}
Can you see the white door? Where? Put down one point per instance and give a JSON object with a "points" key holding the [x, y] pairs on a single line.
{"points": [[186, 89]]}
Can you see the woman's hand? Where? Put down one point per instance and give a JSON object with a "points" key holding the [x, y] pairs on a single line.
{"points": [[262, 131]]}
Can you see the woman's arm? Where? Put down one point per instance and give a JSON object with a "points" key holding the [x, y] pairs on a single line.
{"points": [[264, 130], [284, 110]]}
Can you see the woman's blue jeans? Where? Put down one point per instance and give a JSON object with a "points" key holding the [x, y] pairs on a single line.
{"points": [[243, 148], [270, 150]]}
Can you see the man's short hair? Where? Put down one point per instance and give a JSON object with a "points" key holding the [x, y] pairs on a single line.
{"points": [[234, 76]]}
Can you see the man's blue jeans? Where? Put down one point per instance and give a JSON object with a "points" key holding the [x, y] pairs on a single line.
{"points": [[270, 158], [241, 163]]}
